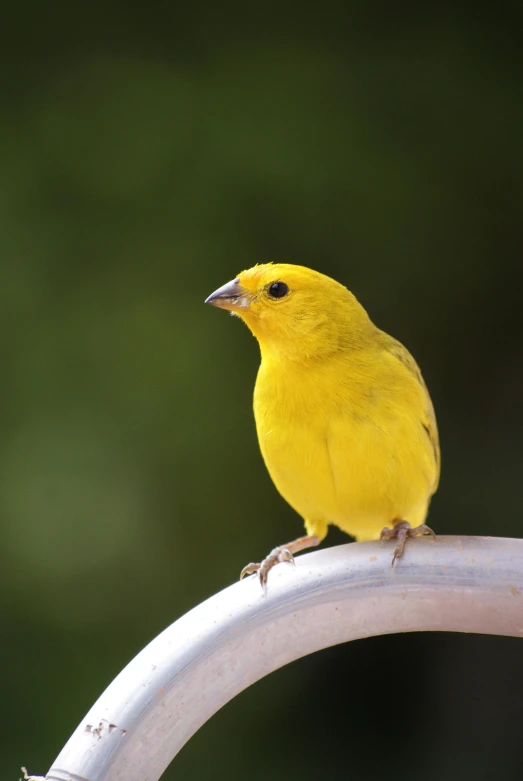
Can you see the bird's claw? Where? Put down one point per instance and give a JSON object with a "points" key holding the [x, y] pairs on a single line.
{"points": [[400, 532], [250, 569], [262, 568]]}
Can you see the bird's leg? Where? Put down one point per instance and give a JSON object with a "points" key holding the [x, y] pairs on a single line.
{"points": [[400, 531], [281, 553]]}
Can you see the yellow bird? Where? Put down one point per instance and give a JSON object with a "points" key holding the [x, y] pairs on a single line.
{"points": [[344, 419]]}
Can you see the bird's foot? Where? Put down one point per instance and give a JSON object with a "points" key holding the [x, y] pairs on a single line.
{"points": [[400, 531], [277, 555]]}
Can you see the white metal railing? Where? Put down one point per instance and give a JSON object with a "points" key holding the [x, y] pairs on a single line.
{"points": [[146, 715]]}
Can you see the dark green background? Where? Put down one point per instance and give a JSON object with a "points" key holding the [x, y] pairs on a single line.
{"points": [[147, 154]]}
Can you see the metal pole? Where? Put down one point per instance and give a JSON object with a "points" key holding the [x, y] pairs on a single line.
{"points": [[209, 655]]}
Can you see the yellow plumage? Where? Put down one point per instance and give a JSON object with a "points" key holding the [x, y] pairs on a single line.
{"points": [[344, 419]]}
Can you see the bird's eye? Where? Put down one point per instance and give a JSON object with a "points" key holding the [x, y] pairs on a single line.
{"points": [[278, 289]]}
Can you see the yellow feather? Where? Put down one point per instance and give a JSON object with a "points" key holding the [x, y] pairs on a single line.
{"points": [[344, 419]]}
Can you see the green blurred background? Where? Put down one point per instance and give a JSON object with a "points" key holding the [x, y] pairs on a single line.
{"points": [[149, 153]]}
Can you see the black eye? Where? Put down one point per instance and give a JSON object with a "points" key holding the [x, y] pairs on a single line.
{"points": [[278, 289]]}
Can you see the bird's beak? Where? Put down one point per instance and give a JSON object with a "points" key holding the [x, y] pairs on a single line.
{"points": [[230, 296]]}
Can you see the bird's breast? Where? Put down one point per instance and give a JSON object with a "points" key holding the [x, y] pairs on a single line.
{"points": [[292, 426], [346, 452]]}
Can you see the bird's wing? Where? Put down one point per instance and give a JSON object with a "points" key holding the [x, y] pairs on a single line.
{"points": [[428, 419]]}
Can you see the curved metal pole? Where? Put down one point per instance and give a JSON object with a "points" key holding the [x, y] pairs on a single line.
{"points": [[146, 715]]}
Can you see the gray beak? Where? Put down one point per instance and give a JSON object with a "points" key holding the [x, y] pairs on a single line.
{"points": [[229, 296]]}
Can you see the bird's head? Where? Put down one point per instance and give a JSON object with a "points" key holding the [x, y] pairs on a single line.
{"points": [[294, 309]]}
